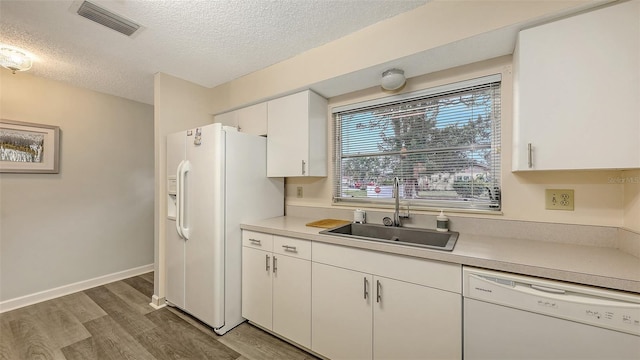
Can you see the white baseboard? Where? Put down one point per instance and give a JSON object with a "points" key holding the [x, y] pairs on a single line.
{"points": [[34, 298]]}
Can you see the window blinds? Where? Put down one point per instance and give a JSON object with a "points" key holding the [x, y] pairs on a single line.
{"points": [[443, 145]]}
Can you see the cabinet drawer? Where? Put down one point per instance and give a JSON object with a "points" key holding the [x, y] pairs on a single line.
{"points": [[257, 240], [292, 247]]}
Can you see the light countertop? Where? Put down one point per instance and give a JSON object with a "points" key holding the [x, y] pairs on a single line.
{"points": [[590, 265]]}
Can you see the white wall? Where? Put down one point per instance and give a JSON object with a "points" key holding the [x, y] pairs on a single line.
{"points": [[428, 28], [433, 26], [598, 201], [95, 217], [424, 29]]}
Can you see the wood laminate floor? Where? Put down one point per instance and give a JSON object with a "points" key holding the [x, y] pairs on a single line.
{"points": [[115, 321]]}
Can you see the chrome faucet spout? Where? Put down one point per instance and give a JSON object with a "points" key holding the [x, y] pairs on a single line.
{"points": [[396, 194]]}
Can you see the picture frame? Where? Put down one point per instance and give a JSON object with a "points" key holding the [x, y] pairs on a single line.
{"points": [[29, 147]]}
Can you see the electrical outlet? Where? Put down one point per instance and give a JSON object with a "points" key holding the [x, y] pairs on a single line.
{"points": [[559, 199], [299, 191]]}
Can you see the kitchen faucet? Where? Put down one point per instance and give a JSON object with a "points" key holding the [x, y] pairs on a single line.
{"points": [[396, 194], [396, 214]]}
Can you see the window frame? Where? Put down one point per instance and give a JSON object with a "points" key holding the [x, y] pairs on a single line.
{"points": [[431, 92]]}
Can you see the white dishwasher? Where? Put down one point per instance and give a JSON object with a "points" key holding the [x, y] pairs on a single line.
{"points": [[512, 317]]}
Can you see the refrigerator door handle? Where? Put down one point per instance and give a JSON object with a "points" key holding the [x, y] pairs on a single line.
{"points": [[184, 169], [178, 198]]}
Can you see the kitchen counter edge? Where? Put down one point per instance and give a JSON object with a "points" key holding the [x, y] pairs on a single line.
{"points": [[587, 265]]}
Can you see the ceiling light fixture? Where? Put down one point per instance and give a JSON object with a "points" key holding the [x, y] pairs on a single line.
{"points": [[393, 79], [14, 60]]}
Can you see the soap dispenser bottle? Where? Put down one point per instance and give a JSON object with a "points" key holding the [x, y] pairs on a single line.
{"points": [[442, 223]]}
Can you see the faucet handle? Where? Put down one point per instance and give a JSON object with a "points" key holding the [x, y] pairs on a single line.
{"points": [[407, 214]]}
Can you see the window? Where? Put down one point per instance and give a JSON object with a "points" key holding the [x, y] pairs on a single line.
{"points": [[442, 143]]}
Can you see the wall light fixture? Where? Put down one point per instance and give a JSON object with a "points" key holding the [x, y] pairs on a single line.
{"points": [[393, 79]]}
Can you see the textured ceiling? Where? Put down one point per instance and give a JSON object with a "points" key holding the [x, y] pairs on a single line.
{"points": [[205, 42]]}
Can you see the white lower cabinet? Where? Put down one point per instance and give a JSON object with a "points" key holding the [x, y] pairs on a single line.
{"points": [[257, 286], [358, 315], [415, 322], [292, 299], [346, 303], [341, 314], [276, 285]]}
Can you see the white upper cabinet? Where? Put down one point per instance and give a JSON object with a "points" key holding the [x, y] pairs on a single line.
{"points": [[577, 92], [297, 135], [251, 119]]}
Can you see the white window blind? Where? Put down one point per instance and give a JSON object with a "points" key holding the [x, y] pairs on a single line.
{"points": [[443, 144]]}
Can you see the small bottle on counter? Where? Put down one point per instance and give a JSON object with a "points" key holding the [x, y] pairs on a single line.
{"points": [[442, 223]]}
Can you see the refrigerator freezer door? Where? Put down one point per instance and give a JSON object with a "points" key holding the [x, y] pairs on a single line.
{"points": [[179, 197], [174, 244]]}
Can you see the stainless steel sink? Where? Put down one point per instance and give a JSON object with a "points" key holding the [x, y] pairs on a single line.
{"points": [[426, 238]]}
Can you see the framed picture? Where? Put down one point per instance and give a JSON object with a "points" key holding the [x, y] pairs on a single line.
{"points": [[28, 148]]}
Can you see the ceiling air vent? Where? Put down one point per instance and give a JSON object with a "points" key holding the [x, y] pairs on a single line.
{"points": [[105, 17]]}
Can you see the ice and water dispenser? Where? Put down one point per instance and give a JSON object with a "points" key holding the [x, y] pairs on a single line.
{"points": [[172, 188]]}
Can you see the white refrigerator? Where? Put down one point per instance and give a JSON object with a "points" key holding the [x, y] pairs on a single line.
{"points": [[216, 179]]}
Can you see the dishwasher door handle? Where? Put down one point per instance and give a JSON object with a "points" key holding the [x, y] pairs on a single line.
{"points": [[547, 289]]}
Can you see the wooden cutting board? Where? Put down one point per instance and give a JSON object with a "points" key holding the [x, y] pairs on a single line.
{"points": [[328, 223]]}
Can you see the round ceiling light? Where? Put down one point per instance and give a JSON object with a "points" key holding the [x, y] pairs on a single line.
{"points": [[393, 79], [14, 60]]}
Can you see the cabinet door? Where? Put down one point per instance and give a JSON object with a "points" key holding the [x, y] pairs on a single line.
{"points": [[253, 119], [256, 286], [292, 299], [415, 322], [288, 140], [341, 313], [577, 85], [227, 119]]}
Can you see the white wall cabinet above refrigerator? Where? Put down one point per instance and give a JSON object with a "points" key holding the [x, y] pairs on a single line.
{"points": [[577, 92], [297, 135], [251, 119]]}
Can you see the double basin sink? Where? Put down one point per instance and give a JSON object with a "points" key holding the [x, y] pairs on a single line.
{"points": [[424, 238]]}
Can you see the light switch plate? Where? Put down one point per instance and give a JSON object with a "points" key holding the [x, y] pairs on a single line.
{"points": [[559, 199]]}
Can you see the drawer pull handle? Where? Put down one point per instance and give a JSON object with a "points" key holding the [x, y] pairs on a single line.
{"points": [[378, 291], [267, 263], [255, 241], [529, 155], [366, 291], [290, 248], [275, 264]]}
